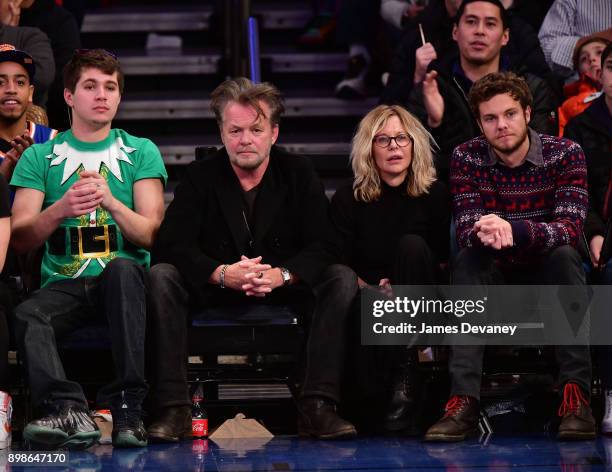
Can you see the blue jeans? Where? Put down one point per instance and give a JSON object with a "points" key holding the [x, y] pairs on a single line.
{"points": [[118, 297]]}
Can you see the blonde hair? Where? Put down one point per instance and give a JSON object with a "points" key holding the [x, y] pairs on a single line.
{"points": [[421, 173]]}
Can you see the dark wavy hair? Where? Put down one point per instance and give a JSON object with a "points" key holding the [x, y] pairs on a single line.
{"points": [[499, 83], [245, 92]]}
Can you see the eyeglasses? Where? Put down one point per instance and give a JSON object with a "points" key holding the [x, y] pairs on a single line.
{"points": [[86, 52], [383, 141]]}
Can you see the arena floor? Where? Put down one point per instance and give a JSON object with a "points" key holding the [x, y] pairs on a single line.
{"points": [[288, 453]]}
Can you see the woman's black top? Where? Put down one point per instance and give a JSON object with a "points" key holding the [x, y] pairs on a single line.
{"points": [[369, 232]]}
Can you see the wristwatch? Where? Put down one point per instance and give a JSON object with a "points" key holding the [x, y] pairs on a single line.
{"points": [[286, 275]]}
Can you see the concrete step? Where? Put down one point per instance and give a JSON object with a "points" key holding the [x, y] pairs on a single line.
{"points": [[186, 108], [272, 17], [172, 63], [128, 20], [183, 154], [193, 63]]}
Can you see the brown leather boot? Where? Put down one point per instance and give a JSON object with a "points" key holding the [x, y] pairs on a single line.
{"points": [[577, 420], [171, 424], [318, 418], [459, 421]]}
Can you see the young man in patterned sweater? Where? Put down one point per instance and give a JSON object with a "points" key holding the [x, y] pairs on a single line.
{"points": [[519, 202]]}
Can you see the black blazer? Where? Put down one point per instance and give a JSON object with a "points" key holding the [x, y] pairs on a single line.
{"points": [[204, 226]]}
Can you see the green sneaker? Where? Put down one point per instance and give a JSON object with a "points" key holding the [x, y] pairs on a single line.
{"points": [[71, 427], [128, 429]]}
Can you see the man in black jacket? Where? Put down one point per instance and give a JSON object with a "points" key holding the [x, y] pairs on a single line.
{"points": [[248, 225], [592, 129], [440, 101], [411, 57]]}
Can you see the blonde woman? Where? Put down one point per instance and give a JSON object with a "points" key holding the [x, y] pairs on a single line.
{"points": [[393, 223]]}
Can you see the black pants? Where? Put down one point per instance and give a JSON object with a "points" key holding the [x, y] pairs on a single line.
{"points": [[4, 347], [167, 319], [414, 264], [477, 266], [6, 308], [117, 296], [326, 308], [169, 304]]}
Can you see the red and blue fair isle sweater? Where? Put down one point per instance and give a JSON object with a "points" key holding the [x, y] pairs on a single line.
{"points": [[545, 199]]}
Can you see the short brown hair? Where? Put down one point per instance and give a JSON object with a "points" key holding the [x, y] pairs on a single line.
{"points": [[499, 83], [245, 92], [91, 59]]}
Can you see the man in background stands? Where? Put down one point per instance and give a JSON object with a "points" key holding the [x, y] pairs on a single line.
{"points": [[16, 90], [592, 129], [440, 101], [34, 42]]}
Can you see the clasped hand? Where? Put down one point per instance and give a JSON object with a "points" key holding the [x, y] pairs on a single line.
{"points": [[86, 194], [494, 232], [252, 277]]}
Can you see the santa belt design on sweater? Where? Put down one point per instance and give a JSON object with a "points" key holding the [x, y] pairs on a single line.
{"points": [[87, 241]]}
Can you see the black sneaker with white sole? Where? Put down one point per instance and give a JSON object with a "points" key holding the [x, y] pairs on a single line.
{"points": [[128, 428]]}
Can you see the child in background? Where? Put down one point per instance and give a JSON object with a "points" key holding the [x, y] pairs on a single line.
{"points": [[587, 62]]}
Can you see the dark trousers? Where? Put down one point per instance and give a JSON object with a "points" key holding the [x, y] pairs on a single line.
{"points": [[326, 344], [6, 307], [414, 263], [168, 329], [116, 296], [167, 319], [169, 305], [477, 266], [605, 352], [4, 347], [326, 308]]}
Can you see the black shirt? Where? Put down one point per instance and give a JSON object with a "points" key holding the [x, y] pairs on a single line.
{"points": [[370, 232], [248, 215]]}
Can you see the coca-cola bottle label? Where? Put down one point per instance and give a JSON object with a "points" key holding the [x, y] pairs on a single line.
{"points": [[199, 427]]}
